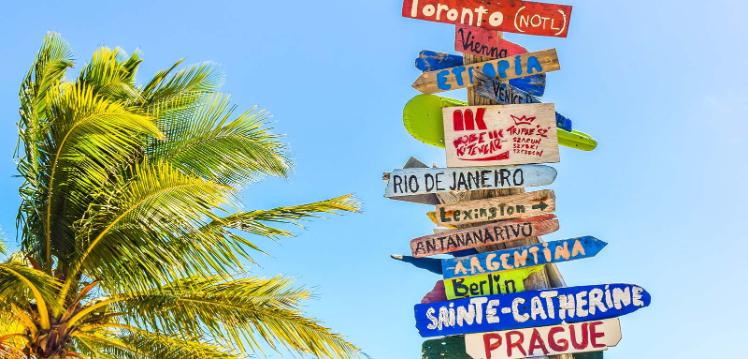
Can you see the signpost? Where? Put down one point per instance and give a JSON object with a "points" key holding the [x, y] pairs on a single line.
{"points": [[529, 309], [521, 205], [555, 339], [431, 61], [522, 257], [417, 181], [481, 42], [492, 224], [522, 17], [488, 284], [423, 118], [500, 135], [505, 69], [483, 236]]}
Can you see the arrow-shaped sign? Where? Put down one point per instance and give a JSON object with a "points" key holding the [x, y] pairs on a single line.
{"points": [[504, 69], [432, 61], [418, 181], [423, 118], [529, 309], [504, 94], [564, 250], [482, 236], [521, 205]]}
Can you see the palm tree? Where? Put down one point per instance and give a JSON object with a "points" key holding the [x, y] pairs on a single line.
{"points": [[132, 238]]}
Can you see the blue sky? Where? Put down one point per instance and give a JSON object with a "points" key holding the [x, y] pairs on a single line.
{"points": [[660, 85]]}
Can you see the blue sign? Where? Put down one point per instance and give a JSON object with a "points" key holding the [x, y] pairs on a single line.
{"points": [[522, 257], [432, 61], [529, 309]]}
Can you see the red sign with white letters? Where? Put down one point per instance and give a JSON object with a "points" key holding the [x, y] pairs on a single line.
{"points": [[524, 17]]}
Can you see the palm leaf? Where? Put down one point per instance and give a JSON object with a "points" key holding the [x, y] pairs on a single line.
{"points": [[49, 67], [238, 311], [214, 144], [90, 138], [127, 239], [111, 74]]}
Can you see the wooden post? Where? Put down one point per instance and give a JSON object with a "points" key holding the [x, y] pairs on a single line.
{"points": [[536, 281]]}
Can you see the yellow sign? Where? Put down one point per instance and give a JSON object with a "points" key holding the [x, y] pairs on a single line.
{"points": [[512, 281]]}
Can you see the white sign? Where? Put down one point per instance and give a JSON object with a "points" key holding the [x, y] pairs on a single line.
{"points": [[541, 341]]}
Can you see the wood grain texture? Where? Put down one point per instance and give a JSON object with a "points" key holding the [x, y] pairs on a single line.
{"points": [[483, 236], [521, 205], [500, 135], [432, 61], [556, 339], [505, 69], [418, 181], [524, 17], [423, 118]]}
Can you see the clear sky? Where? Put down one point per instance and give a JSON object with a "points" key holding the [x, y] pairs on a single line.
{"points": [[660, 85]]}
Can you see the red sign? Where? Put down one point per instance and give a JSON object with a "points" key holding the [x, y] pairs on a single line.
{"points": [[482, 42], [522, 17]]}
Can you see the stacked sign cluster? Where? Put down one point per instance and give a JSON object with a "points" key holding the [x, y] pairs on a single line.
{"points": [[501, 295]]}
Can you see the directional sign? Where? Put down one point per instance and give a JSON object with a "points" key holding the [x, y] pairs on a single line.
{"points": [[512, 281], [529, 309], [504, 94], [416, 181], [500, 135], [522, 17], [432, 61], [550, 340], [521, 205], [487, 43], [444, 348], [520, 257], [423, 116], [482, 236], [505, 69]]}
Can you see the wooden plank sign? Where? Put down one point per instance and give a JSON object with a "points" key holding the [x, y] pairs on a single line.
{"points": [[522, 17], [500, 135], [444, 348], [504, 94], [482, 42], [521, 257], [521, 205], [423, 118], [453, 78], [488, 284], [483, 236], [555, 339], [529, 309], [432, 60], [416, 181]]}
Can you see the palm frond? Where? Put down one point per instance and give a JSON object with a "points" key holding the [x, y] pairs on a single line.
{"points": [[153, 345], [89, 140], [21, 285], [111, 74], [217, 145], [50, 65], [256, 222], [240, 311], [127, 238]]}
